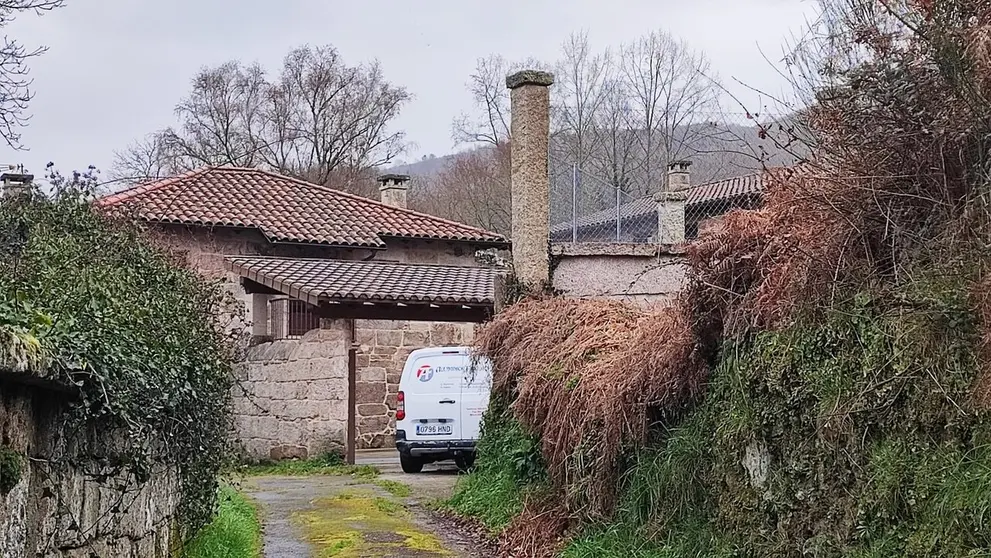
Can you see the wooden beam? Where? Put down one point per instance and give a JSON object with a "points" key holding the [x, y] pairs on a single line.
{"points": [[410, 312], [254, 287]]}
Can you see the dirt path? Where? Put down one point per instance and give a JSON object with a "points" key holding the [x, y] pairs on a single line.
{"points": [[347, 517]]}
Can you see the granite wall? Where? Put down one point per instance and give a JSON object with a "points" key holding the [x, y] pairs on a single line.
{"points": [[78, 505], [292, 397]]}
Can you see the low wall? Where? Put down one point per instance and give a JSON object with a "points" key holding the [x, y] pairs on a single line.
{"points": [[639, 273], [75, 506], [383, 346], [292, 397]]}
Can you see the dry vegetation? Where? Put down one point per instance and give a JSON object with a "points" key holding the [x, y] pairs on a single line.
{"points": [[839, 330]]}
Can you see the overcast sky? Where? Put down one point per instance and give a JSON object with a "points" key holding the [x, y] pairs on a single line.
{"points": [[116, 68]]}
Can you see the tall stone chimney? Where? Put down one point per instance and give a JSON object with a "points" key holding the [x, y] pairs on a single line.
{"points": [[671, 204], [530, 101], [393, 189]]}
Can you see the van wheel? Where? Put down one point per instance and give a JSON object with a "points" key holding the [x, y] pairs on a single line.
{"points": [[410, 464], [465, 462]]}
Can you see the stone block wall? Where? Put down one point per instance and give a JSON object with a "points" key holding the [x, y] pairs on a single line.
{"points": [[383, 348], [76, 506], [293, 395]]}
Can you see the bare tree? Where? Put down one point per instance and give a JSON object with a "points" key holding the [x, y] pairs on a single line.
{"points": [[615, 159], [15, 85], [220, 119], [670, 94], [320, 120], [149, 158], [473, 188], [491, 98], [490, 124], [582, 76]]}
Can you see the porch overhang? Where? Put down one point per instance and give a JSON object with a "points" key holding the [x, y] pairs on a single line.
{"points": [[375, 290]]}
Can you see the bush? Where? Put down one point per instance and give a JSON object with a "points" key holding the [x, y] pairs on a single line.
{"points": [[508, 467], [141, 338]]}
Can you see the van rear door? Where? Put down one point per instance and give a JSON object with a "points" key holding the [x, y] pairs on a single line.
{"points": [[475, 387], [431, 388]]}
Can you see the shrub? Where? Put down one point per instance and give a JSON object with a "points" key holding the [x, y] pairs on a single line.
{"points": [[141, 338], [508, 467]]}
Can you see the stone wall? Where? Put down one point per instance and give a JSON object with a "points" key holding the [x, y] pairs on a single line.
{"points": [[293, 395], [639, 273], [383, 348], [75, 506]]}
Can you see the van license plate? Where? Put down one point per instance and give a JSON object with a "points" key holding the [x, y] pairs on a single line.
{"points": [[433, 429]]}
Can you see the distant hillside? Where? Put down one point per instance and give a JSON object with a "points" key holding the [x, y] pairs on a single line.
{"points": [[426, 167]]}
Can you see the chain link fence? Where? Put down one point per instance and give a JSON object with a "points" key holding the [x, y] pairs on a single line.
{"points": [[604, 194]]}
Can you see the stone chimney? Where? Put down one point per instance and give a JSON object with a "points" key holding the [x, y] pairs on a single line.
{"points": [[16, 184], [671, 204], [393, 189], [530, 101]]}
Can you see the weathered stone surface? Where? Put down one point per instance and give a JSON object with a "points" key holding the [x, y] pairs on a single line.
{"points": [[390, 400], [382, 350], [363, 336], [278, 453], [325, 368], [388, 338], [373, 424], [394, 377], [327, 390], [371, 374], [369, 392], [442, 334], [62, 511], [372, 409], [416, 338]]}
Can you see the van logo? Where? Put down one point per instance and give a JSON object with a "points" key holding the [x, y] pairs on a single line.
{"points": [[424, 373]]}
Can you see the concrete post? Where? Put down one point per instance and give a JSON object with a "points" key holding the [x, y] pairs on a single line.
{"points": [[530, 101], [393, 189], [279, 316], [671, 204]]}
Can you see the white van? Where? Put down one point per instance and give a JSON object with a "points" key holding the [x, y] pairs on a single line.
{"points": [[442, 394]]}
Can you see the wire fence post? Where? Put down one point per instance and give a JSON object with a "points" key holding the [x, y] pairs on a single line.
{"points": [[619, 218], [574, 202]]}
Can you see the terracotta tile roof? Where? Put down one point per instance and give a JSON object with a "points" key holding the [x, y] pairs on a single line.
{"points": [[719, 190], [284, 209], [725, 189], [315, 280]]}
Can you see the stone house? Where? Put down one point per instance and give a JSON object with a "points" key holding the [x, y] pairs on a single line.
{"points": [[337, 290]]}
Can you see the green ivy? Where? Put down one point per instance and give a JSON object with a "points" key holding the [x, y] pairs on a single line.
{"points": [[140, 336], [11, 469]]}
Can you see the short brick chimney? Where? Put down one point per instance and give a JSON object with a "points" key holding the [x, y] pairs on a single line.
{"points": [[530, 109], [16, 184], [671, 204], [393, 189]]}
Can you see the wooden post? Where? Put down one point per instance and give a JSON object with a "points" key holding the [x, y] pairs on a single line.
{"points": [[352, 372]]}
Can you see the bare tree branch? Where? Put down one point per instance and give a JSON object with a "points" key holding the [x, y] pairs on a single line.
{"points": [[320, 119]]}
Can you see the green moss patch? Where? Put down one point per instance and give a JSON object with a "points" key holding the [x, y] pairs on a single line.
{"points": [[11, 469], [359, 523]]}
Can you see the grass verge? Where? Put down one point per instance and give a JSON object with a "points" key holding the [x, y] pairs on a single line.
{"points": [[235, 532], [509, 466]]}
